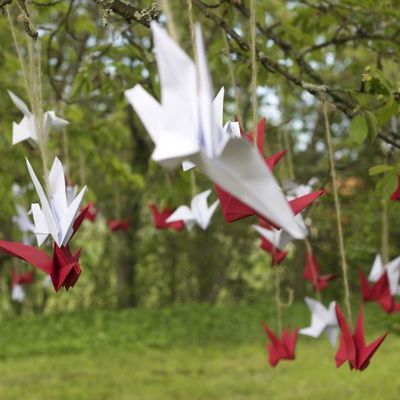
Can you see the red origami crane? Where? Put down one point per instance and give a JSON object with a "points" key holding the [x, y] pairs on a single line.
{"points": [[159, 219], [63, 267], [115, 225], [379, 292], [22, 279], [277, 255], [283, 348], [232, 208], [352, 348], [260, 136], [312, 273], [92, 212], [396, 194]]}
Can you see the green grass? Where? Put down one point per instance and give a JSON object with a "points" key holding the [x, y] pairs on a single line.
{"points": [[190, 352]]}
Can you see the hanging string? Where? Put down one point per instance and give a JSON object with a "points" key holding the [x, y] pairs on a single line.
{"points": [[232, 75], [166, 8], [385, 232], [338, 215], [278, 299], [385, 228], [253, 67], [31, 72], [65, 146], [191, 26], [289, 158], [82, 167]]}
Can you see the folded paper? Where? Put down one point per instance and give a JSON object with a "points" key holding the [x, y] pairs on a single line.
{"points": [[160, 219], [232, 208], [184, 127], [24, 224], [277, 256], [27, 128], [282, 348], [395, 196], [54, 216], [379, 292], [199, 213], [393, 272], [18, 280], [312, 273], [92, 212], [119, 225], [352, 347], [322, 320], [63, 267]]}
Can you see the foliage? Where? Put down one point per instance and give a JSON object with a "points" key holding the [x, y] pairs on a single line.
{"points": [[324, 48], [201, 352]]}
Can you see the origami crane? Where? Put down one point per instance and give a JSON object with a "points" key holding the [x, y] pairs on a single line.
{"points": [[18, 292], [232, 208], [259, 141], [395, 196], [296, 189], [277, 255], [393, 272], [352, 348], [63, 267], [379, 293], [22, 220], [231, 129], [279, 239], [27, 128], [24, 224], [283, 348], [199, 213], [312, 273], [160, 219], [322, 320], [92, 212], [184, 127], [54, 216], [119, 225]]}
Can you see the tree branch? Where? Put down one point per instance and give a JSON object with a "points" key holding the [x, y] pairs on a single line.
{"points": [[131, 13]]}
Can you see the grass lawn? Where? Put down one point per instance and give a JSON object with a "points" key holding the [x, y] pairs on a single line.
{"points": [[190, 352]]}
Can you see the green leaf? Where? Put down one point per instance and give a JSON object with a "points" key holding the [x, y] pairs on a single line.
{"points": [[358, 129], [372, 125], [384, 114], [379, 169], [387, 185]]}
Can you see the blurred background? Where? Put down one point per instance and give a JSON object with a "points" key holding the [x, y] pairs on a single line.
{"points": [[160, 314]]}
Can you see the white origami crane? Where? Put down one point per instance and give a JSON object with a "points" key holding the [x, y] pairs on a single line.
{"points": [[18, 293], [393, 271], [279, 238], [54, 216], [184, 127], [27, 128], [199, 213], [297, 190], [322, 320], [46, 281], [231, 128], [24, 224], [22, 220]]}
